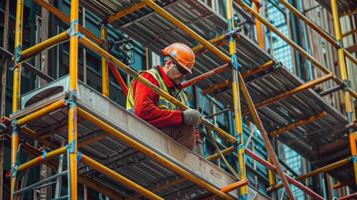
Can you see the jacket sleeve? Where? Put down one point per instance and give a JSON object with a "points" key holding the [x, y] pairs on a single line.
{"points": [[145, 106]]}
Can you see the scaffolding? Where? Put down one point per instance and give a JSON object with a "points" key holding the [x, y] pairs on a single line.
{"points": [[76, 104]]}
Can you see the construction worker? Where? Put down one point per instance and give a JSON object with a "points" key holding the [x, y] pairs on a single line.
{"points": [[159, 112]]}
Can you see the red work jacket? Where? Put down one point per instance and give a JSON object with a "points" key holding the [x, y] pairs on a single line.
{"points": [[145, 101]]}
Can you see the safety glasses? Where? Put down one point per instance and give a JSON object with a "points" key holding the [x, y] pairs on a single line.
{"points": [[180, 69]]}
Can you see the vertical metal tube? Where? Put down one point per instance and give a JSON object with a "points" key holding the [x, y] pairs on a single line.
{"points": [[17, 54], [256, 5], [271, 175], [236, 99], [105, 74], [345, 79], [16, 88], [72, 111], [260, 39]]}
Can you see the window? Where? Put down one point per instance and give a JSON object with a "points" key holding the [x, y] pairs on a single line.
{"points": [[279, 48]]}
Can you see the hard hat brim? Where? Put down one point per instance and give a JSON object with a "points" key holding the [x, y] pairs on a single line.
{"points": [[181, 65]]}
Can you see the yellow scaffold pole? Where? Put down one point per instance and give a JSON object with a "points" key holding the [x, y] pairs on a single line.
{"points": [[345, 79], [16, 92], [236, 99], [105, 73], [72, 107]]}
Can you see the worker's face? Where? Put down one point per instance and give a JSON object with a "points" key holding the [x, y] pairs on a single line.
{"points": [[175, 73]]}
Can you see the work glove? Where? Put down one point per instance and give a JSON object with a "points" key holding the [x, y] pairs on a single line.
{"points": [[191, 117]]}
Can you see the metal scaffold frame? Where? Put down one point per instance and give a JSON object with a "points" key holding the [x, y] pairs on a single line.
{"points": [[76, 35]]}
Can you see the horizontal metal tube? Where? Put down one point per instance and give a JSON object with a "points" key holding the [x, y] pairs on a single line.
{"points": [[352, 93], [350, 56], [326, 168], [60, 15], [125, 12], [218, 113], [214, 40], [116, 176], [342, 184], [217, 155], [161, 187], [57, 39], [297, 124], [30, 187], [259, 69], [41, 158], [43, 111], [226, 84], [331, 90], [349, 33], [235, 185], [223, 68], [347, 197], [61, 198], [205, 75]]}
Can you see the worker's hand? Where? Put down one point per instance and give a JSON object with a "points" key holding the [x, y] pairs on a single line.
{"points": [[191, 117]]}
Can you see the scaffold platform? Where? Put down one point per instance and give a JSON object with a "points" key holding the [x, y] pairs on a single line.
{"points": [[118, 155]]}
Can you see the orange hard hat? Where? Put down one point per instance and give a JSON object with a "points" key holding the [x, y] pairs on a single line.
{"points": [[182, 54]]}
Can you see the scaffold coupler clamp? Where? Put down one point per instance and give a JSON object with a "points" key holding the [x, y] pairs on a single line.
{"points": [[72, 30], [353, 159], [346, 84], [71, 147], [79, 155], [339, 44], [17, 54], [44, 154], [234, 62], [71, 98]]}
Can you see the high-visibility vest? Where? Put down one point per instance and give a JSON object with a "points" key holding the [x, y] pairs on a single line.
{"points": [[162, 102]]}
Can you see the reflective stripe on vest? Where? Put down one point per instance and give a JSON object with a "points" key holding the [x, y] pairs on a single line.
{"points": [[162, 102]]}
